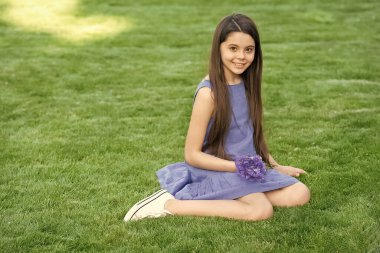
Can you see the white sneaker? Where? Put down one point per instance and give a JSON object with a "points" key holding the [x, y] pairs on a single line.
{"points": [[150, 207]]}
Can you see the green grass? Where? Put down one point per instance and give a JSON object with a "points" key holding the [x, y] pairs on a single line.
{"points": [[85, 125]]}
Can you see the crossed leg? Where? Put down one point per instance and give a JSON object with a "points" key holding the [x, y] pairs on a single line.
{"points": [[255, 206], [259, 208], [294, 195]]}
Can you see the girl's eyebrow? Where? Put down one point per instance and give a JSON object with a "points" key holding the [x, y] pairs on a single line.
{"points": [[238, 46]]}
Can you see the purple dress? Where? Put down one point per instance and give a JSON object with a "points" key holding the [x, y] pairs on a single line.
{"points": [[187, 182]]}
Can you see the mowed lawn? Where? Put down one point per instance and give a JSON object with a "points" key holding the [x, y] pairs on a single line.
{"points": [[95, 96]]}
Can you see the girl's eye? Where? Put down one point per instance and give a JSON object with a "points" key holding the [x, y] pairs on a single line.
{"points": [[233, 49], [249, 50]]}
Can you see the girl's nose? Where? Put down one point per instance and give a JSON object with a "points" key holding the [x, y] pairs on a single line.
{"points": [[241, 54]]}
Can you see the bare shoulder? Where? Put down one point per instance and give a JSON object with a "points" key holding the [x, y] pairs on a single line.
{"points": [[204, 102], [204, 95]]}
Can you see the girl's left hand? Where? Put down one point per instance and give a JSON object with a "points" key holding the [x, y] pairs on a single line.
{"points": [[289, 170]]}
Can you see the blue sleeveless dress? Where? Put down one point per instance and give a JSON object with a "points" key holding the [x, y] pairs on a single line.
{"points": [[186, 182]]}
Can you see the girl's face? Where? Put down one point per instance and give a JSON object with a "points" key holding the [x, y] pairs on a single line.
{"points": [[237, 54]]}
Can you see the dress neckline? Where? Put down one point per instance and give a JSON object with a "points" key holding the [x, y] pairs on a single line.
{"points": [[235, 84]]}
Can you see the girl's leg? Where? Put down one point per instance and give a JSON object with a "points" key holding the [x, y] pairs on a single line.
{"points": [[294, 195], [258, 208]]}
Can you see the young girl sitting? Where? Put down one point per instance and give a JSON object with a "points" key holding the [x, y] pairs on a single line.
{"points": [[225, 172]]}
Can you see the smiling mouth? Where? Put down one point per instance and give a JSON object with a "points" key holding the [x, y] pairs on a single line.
{"points": [[239, 65]]}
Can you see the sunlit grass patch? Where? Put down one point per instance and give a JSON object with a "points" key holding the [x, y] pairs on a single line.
{"points": [[58, 18]]}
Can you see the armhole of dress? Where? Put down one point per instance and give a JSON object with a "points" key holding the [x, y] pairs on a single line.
{"points": [[203, 84]]}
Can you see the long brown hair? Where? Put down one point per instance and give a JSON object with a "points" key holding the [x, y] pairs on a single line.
{"points": [[252, 81]]}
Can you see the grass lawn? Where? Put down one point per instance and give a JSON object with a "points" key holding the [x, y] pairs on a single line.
{"points": [[89, 113]]}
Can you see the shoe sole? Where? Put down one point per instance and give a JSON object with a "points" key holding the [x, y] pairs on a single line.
{"points": [[142, 203]]}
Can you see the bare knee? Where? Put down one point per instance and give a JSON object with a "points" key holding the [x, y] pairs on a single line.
{"points": [[261, 212], [300, 195], [265, 212]]}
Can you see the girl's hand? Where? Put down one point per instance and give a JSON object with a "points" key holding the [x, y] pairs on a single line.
{"points": [[289, 170]]}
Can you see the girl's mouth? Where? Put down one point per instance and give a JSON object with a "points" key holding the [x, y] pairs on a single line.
{"points": [[239, 65]]}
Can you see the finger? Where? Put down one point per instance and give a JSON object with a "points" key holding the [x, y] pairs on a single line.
{"points": [[300, 171]]}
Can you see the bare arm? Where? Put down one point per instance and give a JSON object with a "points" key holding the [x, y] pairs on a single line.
{"points": [[288, 170], [201, 114], [272, 162]]}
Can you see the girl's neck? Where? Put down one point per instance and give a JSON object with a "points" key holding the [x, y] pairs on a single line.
{"points": [[233, 79]]}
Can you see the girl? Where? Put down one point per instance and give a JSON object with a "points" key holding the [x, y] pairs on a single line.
{"points": [[226, 128]]}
